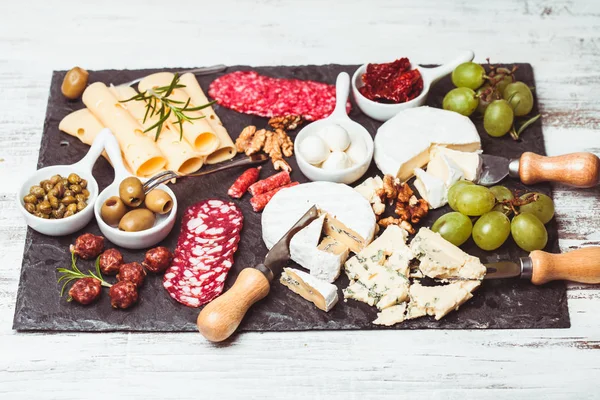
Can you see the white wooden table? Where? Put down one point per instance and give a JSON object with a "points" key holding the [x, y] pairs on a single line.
{"points": [[560, 38]]}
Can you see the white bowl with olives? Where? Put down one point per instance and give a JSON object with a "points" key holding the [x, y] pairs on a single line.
{"points": [[126, 215]]}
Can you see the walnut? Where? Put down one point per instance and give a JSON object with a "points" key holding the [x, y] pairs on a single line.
{"points": [[404, 193], [272, 146], [288, 122], [257, 142], [418, 211], [378, 207], [281, 164], [385, 222], [287, 146], [390, 188], [402, 211], [243, 141]]}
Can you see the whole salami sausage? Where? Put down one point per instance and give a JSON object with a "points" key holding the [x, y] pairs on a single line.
{"points": [[270, 183], [259, 202], [241, 184]]}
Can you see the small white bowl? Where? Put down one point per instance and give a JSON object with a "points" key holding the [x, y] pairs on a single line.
{"points": [[354, 129], [131, 240], [383, 111], [83, 168]]}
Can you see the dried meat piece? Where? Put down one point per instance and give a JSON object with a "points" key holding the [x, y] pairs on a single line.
{"points": [[243, 182], [270, 183], [260, 202]]}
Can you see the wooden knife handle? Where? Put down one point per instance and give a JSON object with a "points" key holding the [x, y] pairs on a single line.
{"points": [[582, 265], [221, 317], [575, 169]]}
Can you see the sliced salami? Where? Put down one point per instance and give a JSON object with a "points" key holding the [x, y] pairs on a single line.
{"points": [[208, 240]]}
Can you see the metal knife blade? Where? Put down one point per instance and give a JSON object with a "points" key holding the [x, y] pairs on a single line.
{"points": [[509, 269], [494, 169], [279, 254], [196, 71]]}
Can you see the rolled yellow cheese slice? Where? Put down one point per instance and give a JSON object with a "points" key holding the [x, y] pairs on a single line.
{"points": [[140, 152], [226, 149], [180, 155], [197, 132]]}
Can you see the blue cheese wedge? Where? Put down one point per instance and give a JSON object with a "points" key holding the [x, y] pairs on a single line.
{"points": [[378, 274], [391, 315], [440, 259], [438, 301], [322, 294]]}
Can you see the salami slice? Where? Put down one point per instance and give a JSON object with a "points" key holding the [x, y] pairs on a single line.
{"points": [[272, 182], [251, 93], [241, 184], [208, 240], [259, 202]]}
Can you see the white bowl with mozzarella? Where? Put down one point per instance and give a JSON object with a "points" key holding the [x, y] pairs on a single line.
{"points": [[335, 149]]}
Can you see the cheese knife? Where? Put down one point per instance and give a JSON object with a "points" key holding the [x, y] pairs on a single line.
{"points": [[576, 169], [213, 69], [221, 317], [582, 265]]}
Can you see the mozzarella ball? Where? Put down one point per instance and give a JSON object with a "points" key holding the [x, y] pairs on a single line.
{"points": [[314, 150], [357, 151], [337, 160], [335, 136]]}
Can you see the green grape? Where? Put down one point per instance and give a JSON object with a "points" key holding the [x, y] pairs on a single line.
{"points": [[461, 100], [486, 95], [491, 230], [454, 227], [528, 232], [502, 193], [502, 208], [521, 98], [469, 75], [498, 118], [475, 200], [502, 77], [453, 192], [543, 207]]}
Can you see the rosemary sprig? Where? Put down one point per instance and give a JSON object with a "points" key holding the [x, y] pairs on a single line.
{"points": [[158, 103], [74, 273]]}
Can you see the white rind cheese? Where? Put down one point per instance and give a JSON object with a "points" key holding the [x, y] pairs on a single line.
{"points": [[431, 188], [368, 189], [469, 163], [323, 294], [442, 167], [403, 143]]}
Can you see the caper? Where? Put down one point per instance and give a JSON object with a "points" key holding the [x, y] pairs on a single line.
{"points": [[30, 208], [75, 189], [47, 186], [86, 193], [37, 191], [74, 178], [58, 214], [68, 200], [53, 192], [83, 183], [65, 182], [53, 201], [69, 192], [30, 198], [81, 205], [42, 215], [45, 207], [80, 197], [55, 179], [60, 189], [72, 207], [68, 213], [74, 83]]}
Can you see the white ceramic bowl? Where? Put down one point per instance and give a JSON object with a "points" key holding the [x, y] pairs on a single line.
{"points": [[383, 112], [65, 226], [354, 129], [131, 240]]}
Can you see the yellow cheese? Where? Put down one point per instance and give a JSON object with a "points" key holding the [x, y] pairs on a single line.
{"points": [[140, 152], [82, 124], [197, 132], [226, 149]]}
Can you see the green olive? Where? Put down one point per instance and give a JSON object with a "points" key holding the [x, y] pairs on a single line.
{"points": [[86, 193], [37, 191], [75, 189], [30, 198], [81, 205], [159, 201], [74, 83], [72, 208], [83, 183], [30, 208], [68, 213], [137, 220], [45, 207], [53, 201], [113, 210], [68, 200], [131, 191], [55, 179]]}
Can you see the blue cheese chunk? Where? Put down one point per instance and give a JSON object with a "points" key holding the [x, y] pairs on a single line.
{"points": [[322, 294], [439, 300]]}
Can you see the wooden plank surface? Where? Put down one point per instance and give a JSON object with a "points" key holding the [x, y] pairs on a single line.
{"points": [[561, 39]]}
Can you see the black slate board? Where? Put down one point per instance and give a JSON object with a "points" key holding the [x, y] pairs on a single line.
{"points": [[497, 304]]}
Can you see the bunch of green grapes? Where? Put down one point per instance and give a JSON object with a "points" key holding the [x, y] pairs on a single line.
{"points": [[484, 213], [497, 96]]}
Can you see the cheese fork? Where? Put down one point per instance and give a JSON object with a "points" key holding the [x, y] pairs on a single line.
{"points": [[582, 265]]}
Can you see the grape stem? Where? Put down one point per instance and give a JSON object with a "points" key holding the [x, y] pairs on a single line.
{"points": [[518, 202]]}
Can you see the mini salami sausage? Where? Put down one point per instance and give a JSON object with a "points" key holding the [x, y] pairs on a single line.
{"points": [[270, 183], [85, 290], [123, 294], [158, 259], [243, 182], [132, 272], [259, 202], [88, 246], [110, 261]]}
